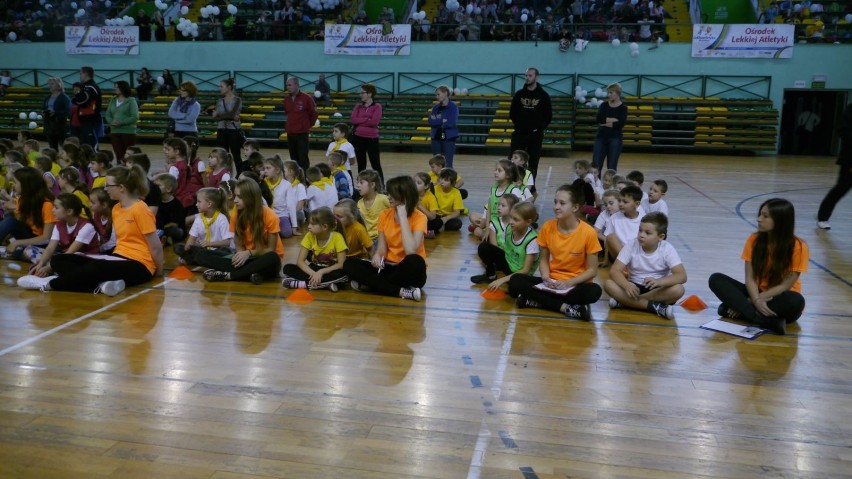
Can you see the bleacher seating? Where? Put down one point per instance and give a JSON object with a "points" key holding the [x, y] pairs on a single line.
{"points": [[653, 123]]}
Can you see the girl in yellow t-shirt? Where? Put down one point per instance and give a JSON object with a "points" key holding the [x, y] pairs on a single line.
{"points": [[569, 262], [359, 242], [327, 246], [428, 204]]}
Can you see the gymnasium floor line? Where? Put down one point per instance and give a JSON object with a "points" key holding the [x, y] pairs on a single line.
{"points": [[84, 317], [818, 265], [508, 314]]}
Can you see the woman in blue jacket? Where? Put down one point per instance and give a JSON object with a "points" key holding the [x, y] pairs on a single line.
{"points": [[444, 122]]}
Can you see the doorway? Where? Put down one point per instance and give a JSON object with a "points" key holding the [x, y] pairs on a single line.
{"points": [[809, 121]]}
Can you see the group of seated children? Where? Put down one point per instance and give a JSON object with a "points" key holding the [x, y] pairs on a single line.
{"points": [[68, 201]]}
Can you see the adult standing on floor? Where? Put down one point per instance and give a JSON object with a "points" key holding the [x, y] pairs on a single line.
{"points": [[89, 106], [444, 122], [57, 109], [301, 116], [531, 113], [184, 110], [365, 138], [122, 115], [612, 115], [844, 178], [227, 116]]}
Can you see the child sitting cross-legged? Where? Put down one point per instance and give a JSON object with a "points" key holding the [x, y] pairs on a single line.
{"points": [[327, 247], [516, 250], [210, 230], [656, 277]]}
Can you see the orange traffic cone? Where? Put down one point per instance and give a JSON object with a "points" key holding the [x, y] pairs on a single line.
{"points": [[300, 296], [693, 303], [181, 272], [496, 294]]}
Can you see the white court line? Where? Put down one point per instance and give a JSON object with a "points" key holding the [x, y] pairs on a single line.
{"points": [[543, 194], [477, 459], [47, 333]]}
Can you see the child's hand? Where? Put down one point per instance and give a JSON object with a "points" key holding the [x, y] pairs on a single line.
{"points": [[315, 279], [762, 307], [41, 271], [652, 283], [378, 261], [240, 258], [495, 285], [632, 291]]}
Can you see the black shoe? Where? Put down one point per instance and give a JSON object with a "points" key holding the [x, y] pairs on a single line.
{"points": [[483, 278], [521, 302], [774, 323], [256, 278], [726, 312], [180, 250], [213, 275], [583, 312]]}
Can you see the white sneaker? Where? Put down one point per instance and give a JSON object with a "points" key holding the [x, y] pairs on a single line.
{"points": [[823, 225], [614, 304], [32, 281], [410, 293], [2, 251], [110, 288]]}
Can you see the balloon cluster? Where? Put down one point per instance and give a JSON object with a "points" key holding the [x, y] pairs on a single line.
{"points": [[210, 11], [453, 5], [120, 21], [419, 15], [319, 5], [459, 91], [161, 5], [187, 27], [32, 116], [634, 49], [580, 94]]}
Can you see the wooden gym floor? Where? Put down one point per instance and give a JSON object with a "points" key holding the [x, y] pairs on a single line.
{"points": [[185, 379]]}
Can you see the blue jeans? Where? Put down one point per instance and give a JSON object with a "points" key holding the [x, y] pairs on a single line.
{"points": [[89, 132], [445, 147], [609, 148], [12, 226]]}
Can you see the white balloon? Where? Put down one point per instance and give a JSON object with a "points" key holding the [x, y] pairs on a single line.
{"points": [[524, 17], [107, 4], [88, 4], [184, 10], [216, 11], [538, 22], [81, 12], [634, 46], [39, 33], [33, 115], [194, 33], [547, 9], [581, 99], [849, 17], [634, 53], [48, 6], [337, 114], [797, 7], [39, 117], [22, 116], [33, 125], [508, 2], [317, 93], [232, 9], [184, 33], [464, 91], [456, 90], [73, 5], [317, 123], [469, 8], [422, 15], [204, 13], [584, 92], [161, 80], [616, 42], [13, 36], [599, 92], [42, 2]]}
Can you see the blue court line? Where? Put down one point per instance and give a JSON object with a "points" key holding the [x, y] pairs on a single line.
{"points": [[528, 472], [818, 265]]}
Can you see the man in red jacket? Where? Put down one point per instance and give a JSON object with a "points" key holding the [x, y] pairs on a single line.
{"points": [[301, 116]]}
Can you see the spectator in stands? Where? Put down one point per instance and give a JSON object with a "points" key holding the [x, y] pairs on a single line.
{"points": [[301, 116], [184, 110], [158, 27], [89, 103], [324, 88], [531, 113], [227, 115], [144, 84], [143, 21], [5, 82], [167, 86], [57, 109], [365, 138], [444, 122], [386, 15], [122, 115]]}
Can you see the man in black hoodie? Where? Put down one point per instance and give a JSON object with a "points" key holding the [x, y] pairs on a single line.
{"points": [[531, 113], [88, 102]]}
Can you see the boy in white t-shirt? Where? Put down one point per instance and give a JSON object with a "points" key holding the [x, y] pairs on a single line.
{"points": [[608, 208], [624, 225], [341, 144], [656, 277], [654, 202]]}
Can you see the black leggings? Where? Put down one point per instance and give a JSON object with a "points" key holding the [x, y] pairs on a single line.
{"points": [[231, 141], [492, 256], [788, 305], [408, 273], [82, 274], [586, 293], [843, 185], [368, 146], [453, 224], [293, 271], [267, 265]]}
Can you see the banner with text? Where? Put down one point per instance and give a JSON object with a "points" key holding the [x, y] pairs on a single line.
{"points": [[368, 39], [102, 40], [743, 41]]}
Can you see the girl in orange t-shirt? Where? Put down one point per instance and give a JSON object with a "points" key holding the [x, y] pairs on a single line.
{"points": [[569, 262], [259, 248], [138, 254], [33, 221], [774, 259], [398, 265]]}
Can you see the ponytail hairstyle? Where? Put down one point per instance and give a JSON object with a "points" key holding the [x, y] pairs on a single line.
{"points": [[132, 178], [427, 180], [250, 217], [217, 197], [525, 210], [324, 216], [34, 193], [372, 176], [70, 201], [102, 197], [72, 176], [179, 145], [779, 242], [298, 173], [577, 196], [351, 208], [103, 158], [511, 200], [403, 190], [225, 158], [87, 155], [228, 189], [74, 154], [191, 148], [276, 162], [44, 164], [511, 169], [49, 152]]}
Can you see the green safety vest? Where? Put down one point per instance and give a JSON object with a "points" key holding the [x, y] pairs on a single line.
{"points": [[516, 253]]}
